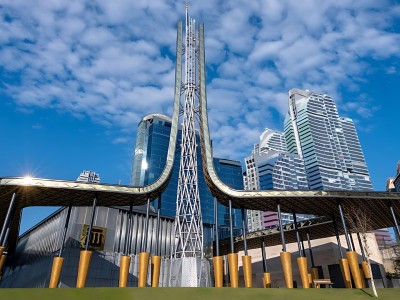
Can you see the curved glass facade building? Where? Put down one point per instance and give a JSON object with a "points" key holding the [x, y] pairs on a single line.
{"points": [[328, 144], [149, 160]]}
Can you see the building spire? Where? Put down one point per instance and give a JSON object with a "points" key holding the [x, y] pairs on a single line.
{"points": [[188, 221], [187, 13]]}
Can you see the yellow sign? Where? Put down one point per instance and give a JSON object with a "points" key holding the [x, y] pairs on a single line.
{"points": [[98, 237]]}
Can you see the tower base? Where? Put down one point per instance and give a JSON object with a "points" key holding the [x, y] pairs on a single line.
{"points": [[189, 272]]}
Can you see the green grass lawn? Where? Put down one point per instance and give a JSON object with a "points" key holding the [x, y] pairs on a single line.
{"points": [[194, 294]]}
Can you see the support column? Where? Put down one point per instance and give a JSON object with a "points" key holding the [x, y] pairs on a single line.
{"points": [[314, 269], [86, 255], [303, 249], [3, 257], [156, 259], [351, 254], [285, 256], [217, 259], [5, 231], [396, 225], [6, 224], [343, 263], [125, 259], [364, 263], [2, 262], [352, 241], [59, 260], [144, 255], [301, 260], [246, 259], [337, 236], [232, 257], [346, 234], [267, 275]]}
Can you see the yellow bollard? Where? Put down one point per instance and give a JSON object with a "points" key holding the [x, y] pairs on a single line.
{"points": [[56, 272], [83, 268], [267, 280], [124, 264], [2, 262], [302, 262], [344, 267], [155, 270], [218, 271], [143, 267], [365, 268], [363, 278], [314, 275], [354, 268], [287, 268], [310, 280], [233, 269], [247, 271]]}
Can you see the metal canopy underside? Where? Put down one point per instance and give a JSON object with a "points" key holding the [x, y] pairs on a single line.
{"points": [[319, 227], [43, 192]]}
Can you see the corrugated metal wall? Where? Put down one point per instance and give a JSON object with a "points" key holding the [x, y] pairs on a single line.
{"points": [[30, 266]]}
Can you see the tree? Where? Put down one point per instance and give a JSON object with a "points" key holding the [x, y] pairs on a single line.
{"points": [[359, 221]]}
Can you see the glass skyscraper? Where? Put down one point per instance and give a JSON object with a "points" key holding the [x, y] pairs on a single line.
{"points": [[272, 167], [89, 177], [327, 143], [150, 155]]}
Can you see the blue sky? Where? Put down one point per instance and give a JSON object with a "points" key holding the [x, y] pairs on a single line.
{"points": [[77, 76]]}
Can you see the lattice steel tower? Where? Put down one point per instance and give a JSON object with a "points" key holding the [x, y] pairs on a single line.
{"points": [[188, 253], [189, 223]]}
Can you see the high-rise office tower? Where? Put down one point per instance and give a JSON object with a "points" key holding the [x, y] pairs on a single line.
{"points": [[327, 143], [89, 177], [149, 160], [272, 167]]}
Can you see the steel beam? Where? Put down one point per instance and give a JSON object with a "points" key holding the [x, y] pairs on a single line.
{"points": [[297, 234], [337, 236], [158, 248], [89, 234], [346, 234], [231, 227], [397, 228], [264, 256], [244, 223], [65, 231], [7, 219], [146, 227], [216, 227], [310, 249], [281, 227]]}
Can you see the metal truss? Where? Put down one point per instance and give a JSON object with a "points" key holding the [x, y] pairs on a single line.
{"points": [[188, 222]]}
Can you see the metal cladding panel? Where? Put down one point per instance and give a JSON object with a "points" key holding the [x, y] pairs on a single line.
{"points": [[43, 241]]}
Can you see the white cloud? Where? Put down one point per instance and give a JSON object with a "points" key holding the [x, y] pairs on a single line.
{"points": [[114, 60]]}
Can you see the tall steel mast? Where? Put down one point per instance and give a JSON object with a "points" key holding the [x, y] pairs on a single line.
{"points": [[188, 222]]}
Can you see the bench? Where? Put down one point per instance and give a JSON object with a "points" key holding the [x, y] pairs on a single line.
{"points": [[317, 283]]}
